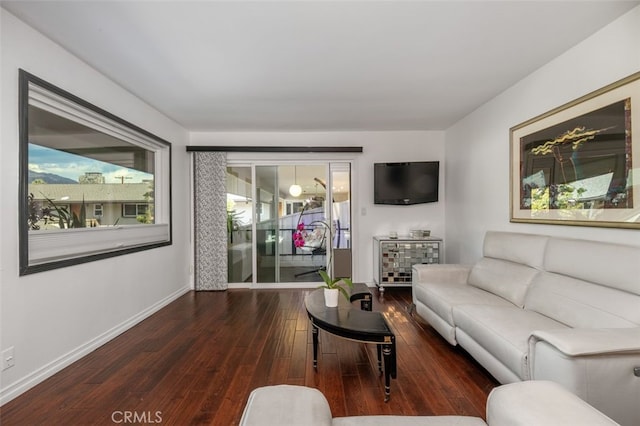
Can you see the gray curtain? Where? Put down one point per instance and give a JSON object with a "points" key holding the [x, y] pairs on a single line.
{"points": [[210, 186]]}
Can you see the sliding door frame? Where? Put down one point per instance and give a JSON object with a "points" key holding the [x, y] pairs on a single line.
{"points": [[289, 159]]}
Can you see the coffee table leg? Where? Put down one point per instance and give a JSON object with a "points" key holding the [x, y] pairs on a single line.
{"points": [[386, 353], [366, 304], [379, 351], [314, 333]]}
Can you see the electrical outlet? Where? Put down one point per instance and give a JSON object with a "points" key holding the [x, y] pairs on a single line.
{"points": [[8, 359]]}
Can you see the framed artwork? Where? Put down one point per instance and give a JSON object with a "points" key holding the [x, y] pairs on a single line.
{"points": [[578, 164]]}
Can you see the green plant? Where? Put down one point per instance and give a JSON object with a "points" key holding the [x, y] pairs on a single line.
{"points": [[64, 218], [233, 220], [147, 216], [335, 283], [81, 222], [32, 216], [233, 223]]}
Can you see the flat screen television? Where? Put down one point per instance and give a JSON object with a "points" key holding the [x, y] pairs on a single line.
{"points": [[406, 183]]}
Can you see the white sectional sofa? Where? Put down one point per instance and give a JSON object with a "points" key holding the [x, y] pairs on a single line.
{"points": [[529, 403], [545, 308]]}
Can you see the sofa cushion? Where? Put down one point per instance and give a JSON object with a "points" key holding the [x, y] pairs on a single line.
{"points": [[581, 304], [612, 265], [303, 406], [503, 331], [504, 278], [409, 421], [441, 297]]}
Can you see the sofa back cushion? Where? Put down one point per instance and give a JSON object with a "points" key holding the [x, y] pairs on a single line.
{"points": [[506, 279], [582, 304], [511, 261], [588, 284], [611, 265]]}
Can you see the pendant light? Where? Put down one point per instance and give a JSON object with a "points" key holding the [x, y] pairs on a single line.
{"points": [[295, 190]]}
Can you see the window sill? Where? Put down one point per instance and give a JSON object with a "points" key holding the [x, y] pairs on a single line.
{"points": [[60, 245]]}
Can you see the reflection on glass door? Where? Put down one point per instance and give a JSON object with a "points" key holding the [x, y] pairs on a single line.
{"points": [[309, 226], [341, 217], [296, 232], [239, 224], [267, 224]]}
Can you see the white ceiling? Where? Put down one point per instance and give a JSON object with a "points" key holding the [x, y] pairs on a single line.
{"points": [[317, 65]]}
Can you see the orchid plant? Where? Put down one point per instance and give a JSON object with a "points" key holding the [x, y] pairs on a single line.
{"points": [[335, 283]]}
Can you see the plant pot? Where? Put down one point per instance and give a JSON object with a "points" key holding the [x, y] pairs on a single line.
{"points": [[331, 297]]}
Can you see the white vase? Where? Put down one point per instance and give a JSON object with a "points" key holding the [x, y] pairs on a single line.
{"points": [[331, 297]]}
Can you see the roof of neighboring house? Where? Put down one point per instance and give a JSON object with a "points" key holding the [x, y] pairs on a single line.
{"points": [[92, 193]]}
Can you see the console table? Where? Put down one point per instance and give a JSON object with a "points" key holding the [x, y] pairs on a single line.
{"points": [[394, 257]]}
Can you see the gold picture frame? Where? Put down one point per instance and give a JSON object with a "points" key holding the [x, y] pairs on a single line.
{"points": [[577, 164]]}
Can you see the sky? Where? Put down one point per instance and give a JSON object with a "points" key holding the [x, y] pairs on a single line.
{"points": [[47, 160]]}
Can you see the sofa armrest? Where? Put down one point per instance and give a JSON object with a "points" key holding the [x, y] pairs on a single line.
{"points": [[540, 403], [442, 273], [286, 405], [598, 365], [589, 341]]}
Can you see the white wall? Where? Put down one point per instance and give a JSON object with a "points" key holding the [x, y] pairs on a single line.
{"points": [[377, 147], [52, 318], [477, 147]]}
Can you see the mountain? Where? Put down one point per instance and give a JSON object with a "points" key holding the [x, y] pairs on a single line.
{"points": [[49, 177]]}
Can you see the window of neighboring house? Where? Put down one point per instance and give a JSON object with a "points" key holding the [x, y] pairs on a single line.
{"points": [[134, 210], [75, 155]]}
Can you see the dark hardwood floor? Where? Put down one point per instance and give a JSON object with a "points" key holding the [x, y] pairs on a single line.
{"points": [[195, 362]]}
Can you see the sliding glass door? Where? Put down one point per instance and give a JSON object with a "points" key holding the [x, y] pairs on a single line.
{"points": [[240, 209], [307, 236], [282, 228], [340, 178], [267, 225]]}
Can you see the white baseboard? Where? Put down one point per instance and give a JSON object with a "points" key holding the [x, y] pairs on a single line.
{"points": [[271, 286], [22, 385]]}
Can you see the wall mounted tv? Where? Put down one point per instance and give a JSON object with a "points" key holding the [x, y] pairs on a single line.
{"points": [[405, 183]]}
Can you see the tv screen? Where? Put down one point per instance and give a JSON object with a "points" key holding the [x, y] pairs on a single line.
{"points": [[406, 183]]}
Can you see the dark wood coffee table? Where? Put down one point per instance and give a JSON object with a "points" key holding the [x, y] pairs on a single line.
{"points": [[361, 325]]}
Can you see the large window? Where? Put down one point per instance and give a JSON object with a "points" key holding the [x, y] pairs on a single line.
{"points": [[92, 185]]}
